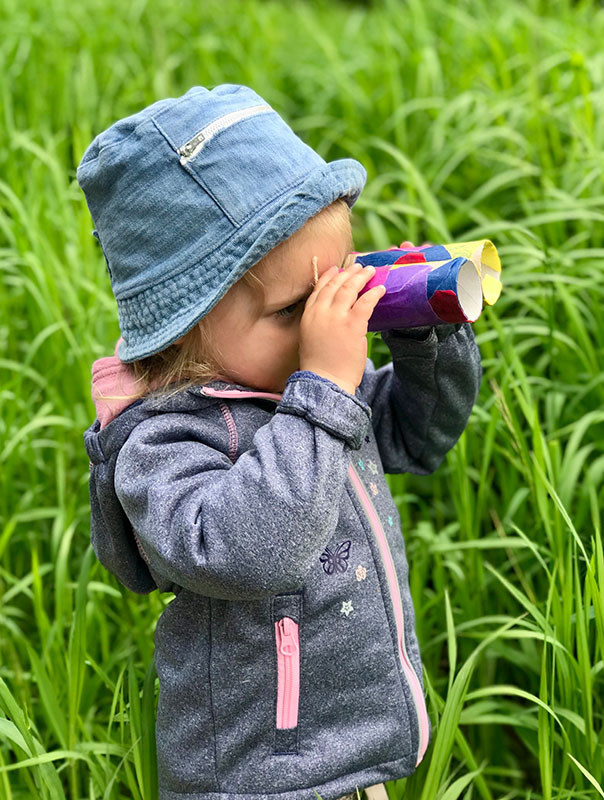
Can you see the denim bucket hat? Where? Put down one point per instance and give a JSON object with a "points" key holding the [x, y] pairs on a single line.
{"points": [[191, 192]]}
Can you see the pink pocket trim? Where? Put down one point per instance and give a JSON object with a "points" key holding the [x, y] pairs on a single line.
{"points": [[288, 672]]}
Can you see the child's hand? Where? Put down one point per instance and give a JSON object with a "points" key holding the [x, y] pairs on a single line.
{"points": [[333, 327]]}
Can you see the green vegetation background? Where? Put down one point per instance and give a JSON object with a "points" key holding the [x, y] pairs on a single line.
{"points": [[473, 119]]}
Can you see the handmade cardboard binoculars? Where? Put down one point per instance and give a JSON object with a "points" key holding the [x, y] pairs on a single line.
{"points": [[433, 284]]}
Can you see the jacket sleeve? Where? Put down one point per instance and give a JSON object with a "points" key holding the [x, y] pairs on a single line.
{"points": [[255, 527], [421, 401]]}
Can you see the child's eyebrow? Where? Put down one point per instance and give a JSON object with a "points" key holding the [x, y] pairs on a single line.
{"points": [[289, 301]]}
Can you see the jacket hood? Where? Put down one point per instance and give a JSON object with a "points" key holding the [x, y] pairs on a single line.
{"points": [[113, 539]]}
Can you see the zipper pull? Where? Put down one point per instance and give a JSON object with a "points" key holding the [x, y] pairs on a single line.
{"points": [[191, 148], [288, 645]]}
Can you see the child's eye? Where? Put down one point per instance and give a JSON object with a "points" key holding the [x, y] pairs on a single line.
{"points": [[288, 311]]}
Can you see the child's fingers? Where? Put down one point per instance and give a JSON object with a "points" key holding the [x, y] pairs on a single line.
{"points": [[323, 279], [367, 302], [325, 287], [343, 288], [345, 298]]}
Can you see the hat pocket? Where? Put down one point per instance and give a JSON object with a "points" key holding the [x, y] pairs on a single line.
{"points": [[246, 160]]}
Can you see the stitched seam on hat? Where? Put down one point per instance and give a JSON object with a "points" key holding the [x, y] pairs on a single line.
{"points": [[189, 170], [290, 186]]}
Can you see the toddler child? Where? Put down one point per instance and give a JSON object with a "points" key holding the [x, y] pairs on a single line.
{"points": [[239, 453]]}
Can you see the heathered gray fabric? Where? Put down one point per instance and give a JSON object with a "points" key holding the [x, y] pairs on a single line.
{"points": [[240, 545]]}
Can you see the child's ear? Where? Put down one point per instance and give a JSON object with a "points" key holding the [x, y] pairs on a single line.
{"points": [[178, 342]]}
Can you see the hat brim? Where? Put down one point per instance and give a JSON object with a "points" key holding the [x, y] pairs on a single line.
{"points": [[275, 223]]}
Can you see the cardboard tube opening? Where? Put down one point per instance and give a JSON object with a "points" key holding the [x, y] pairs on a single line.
{"points": [[469, 291]]}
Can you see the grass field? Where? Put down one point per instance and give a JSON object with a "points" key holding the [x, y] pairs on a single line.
{"points": [[473, 119]]}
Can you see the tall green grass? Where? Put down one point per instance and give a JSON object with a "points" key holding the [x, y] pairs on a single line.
{"points": [[473, 119]]}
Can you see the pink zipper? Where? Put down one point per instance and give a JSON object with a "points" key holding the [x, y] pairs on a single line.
{"points": [[288, 672], [397, 604]]}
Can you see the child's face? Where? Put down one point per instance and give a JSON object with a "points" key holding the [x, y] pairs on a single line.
{"points": [[255, 330]]}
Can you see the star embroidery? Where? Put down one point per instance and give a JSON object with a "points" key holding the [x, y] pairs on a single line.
{"points": [[374, 490], [361, 572], [390, 521], [361, 465], [346, 608], [372, 467]]}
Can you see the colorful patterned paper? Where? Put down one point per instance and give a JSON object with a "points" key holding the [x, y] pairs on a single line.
{"points": [[433, 284]]}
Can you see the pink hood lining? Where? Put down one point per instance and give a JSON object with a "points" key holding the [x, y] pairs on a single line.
{"points": [[114, 387]]}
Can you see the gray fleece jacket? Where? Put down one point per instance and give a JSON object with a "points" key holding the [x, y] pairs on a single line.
{"points": [[288, 660]]}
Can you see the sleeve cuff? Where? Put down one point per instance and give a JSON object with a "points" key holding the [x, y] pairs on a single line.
{"points": [[325, 404], [411, 341]]}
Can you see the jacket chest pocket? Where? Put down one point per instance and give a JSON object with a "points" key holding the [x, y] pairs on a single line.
{"points": [[287, 613]]}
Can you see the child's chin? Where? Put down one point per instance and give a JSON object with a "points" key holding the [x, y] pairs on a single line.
{"points": [[275, 384], [278, 386], [272, 387]]}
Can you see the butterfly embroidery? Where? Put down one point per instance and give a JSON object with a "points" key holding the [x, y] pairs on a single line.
{"points": [[338, 561]]}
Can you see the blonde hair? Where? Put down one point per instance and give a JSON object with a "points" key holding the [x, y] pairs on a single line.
{"points": [[196, 358]]}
